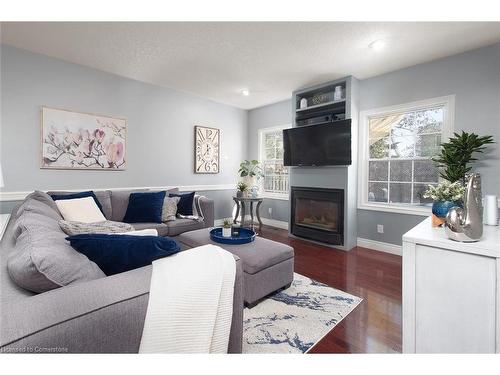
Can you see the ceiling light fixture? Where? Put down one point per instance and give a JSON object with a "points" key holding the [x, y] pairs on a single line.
{"points": [[377, 45], [245, 92]]}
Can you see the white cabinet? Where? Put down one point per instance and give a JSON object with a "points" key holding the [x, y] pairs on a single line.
{"points": [[451, 300]]}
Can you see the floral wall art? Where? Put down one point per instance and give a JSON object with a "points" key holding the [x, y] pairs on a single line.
{"points": [[74, 140]]}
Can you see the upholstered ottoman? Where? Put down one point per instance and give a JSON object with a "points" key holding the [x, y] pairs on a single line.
{"points": [[267, 265]]}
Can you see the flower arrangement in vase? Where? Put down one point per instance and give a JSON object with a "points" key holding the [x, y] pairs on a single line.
{"points": [[446, 195], [455, 160], [251, 171]]}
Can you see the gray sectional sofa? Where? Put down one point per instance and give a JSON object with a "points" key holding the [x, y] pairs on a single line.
{"points": [[99, 315]]}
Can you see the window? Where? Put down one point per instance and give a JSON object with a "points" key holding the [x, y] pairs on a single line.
{"points": [[275, 181], [396, 146]]}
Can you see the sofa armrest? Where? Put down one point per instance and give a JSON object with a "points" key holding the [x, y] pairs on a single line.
{"points": [[207, 208], [104, 315], [100, 316]]}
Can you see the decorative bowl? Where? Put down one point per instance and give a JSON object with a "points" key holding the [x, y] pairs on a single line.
{"points": [[246, 236]]}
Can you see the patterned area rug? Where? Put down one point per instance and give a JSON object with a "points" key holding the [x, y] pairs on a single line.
{"points": [[293, 320]]}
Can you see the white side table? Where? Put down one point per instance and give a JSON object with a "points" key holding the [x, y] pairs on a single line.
{"points": [[4, 219]]}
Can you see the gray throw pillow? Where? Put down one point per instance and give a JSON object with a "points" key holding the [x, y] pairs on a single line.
{"points": [[36, 207], [44, 260], [40, 203], [72, 228], [169, 209]]}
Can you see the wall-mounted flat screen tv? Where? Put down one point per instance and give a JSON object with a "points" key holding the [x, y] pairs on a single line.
{"points": [[318, 145]]}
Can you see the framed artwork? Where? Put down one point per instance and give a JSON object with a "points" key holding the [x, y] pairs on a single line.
{"points": [[75, 140], [206, 150]]}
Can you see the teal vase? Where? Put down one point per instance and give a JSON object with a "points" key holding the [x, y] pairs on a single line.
{"points": [[441, 208]]}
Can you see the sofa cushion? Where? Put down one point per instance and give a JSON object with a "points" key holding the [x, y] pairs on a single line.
{"points": [[119, 203], [72, 228], [102, 198], [40, 207], [256, 256], [145, 207], [169, 191], [120, 253], [161, 228], [43, 260], [169, 210], [44, 222], [41, 197], [185, 205], [80, 209], [183, 225], [83, 194], [141, 232]]}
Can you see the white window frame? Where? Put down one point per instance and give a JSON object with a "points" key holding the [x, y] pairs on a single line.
{"points": [[262, 131], [448, 102]]}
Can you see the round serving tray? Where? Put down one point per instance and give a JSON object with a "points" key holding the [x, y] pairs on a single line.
{"points": [[246, 236]]}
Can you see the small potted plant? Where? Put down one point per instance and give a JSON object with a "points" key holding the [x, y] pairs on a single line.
{"points": [[226, 228], [251, 171], [241, 187], [445, 196]]}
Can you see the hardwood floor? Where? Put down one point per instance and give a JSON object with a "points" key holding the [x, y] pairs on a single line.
{"points": [[375, 325]]}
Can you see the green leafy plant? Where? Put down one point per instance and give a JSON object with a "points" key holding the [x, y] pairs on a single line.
{"points": [[250, 168], [226, 223], [242, 186], [445, 191], [456, 155]]}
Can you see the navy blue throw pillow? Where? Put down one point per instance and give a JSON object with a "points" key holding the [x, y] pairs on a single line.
{"points": [[185, 205], [145, 207], [83, 194], [115, 253]]}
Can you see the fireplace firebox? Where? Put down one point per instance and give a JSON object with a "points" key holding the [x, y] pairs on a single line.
{"points": [[318, 214]]}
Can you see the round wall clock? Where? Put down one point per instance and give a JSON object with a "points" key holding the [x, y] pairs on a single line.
{"points": [[206, 150]]}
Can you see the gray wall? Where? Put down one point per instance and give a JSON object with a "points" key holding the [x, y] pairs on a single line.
{"points": [[160, 127], [473, 77], [265, 117], [163, 119]]}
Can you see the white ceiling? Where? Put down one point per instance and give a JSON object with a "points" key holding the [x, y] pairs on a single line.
{"points": [[217, 60]]}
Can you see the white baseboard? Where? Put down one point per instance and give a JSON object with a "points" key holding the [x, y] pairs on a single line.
{"points": [[380, 246], [361, 242]]}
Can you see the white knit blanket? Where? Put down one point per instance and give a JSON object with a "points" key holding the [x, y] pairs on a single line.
{"points": [[190, 302]]}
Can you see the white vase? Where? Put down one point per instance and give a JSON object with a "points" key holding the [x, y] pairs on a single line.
{"points": [[337, 94], [250, 181], [226, 232], [491, 210]]}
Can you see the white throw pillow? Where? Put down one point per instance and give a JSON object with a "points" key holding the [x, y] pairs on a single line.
{"points": [[84, 210], [142, 232]]}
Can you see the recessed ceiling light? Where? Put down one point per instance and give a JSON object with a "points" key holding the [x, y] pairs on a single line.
{"points": [[245, 92], [377, 45]]}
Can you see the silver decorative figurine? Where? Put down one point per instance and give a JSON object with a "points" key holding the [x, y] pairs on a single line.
{"points": [[466, 224]]}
